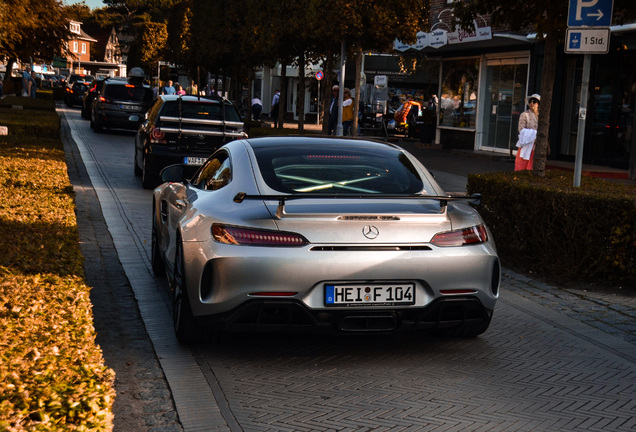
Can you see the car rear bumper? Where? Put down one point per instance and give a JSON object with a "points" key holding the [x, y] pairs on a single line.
{"points": [[223, 280], [294, 316], [120, 120]]}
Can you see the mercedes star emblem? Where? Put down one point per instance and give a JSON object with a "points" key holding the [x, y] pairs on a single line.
{"points": [[370, 232]]}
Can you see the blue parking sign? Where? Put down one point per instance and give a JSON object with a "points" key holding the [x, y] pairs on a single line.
{"points": [[590, 13], [574, 43]]}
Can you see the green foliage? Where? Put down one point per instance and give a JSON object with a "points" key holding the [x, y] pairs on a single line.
{"points": [[33, 28], [545, 225], [52, 373], [149, 45]]}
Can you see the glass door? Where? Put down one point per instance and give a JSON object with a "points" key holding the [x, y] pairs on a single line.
{"points": [[505, 101]]}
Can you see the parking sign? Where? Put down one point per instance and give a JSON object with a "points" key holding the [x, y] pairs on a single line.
{"points": [[590, 13]]}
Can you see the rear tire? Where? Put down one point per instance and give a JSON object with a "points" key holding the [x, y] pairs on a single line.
{"points": [[158, 266], [148, 178], [185, 327], [138, 171], [97, 127]]}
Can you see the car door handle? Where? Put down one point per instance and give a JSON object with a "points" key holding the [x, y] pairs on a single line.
{"points": [[180, 204]]}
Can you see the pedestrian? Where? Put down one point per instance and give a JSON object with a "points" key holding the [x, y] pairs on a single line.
{"points": [[34, 85], [257, 108], [178, 89], [26, 82], [275, 107], [168, 89], [347, 112], [333, 110], [193, 89], [528, 123]]}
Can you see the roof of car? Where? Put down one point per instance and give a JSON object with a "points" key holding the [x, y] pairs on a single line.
{"points": [[123, 81], [317, 141], [192, 98]]}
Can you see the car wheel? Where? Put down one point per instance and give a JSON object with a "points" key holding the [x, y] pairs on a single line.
{"points": [[185, 327], [148, 178], [138, 171], [158, 267], [466, 331], [97, 126]]}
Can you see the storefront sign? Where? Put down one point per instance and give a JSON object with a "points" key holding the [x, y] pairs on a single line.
{"points": [[439, 38], [461, 36]]}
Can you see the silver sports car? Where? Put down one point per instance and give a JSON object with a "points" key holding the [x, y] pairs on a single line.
{"points": [[308, 233]]}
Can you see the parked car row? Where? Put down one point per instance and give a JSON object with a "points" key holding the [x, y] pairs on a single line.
{"points": [[172, 129]]}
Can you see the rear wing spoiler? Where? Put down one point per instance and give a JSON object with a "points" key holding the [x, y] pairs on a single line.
{"points": [[443, 200]]}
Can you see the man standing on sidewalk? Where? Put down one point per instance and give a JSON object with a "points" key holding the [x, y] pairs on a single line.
{"points": [[275, 107]]}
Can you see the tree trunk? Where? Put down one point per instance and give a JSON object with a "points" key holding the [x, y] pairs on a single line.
{"points": [[250, 95], [356, 100], [300, 101], [8, 87], [547, 84], [283, 95]]}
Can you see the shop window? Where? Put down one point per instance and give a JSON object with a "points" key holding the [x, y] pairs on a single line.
{"points": [[458, 101]]}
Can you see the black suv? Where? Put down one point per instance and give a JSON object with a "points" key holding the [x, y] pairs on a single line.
{"points": [[120, 105], [183, 130], [90, 96], [75, 93]]}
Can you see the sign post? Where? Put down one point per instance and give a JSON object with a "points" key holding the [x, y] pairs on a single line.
{"points": [[319, 76], [588, 33]]}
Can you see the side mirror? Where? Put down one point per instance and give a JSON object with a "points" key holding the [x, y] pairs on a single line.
{"points": [[173, 174]]}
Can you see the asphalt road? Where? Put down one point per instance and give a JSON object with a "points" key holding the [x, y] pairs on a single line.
{"points": [[553, 360]]}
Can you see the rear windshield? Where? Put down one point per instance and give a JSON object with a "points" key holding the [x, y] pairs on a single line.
{"points": [[81, 86], [128, 92], [334, 169], [199, 110]]}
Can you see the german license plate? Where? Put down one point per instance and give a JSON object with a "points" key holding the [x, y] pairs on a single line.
{"points": [[371, 294], [189, 160]]}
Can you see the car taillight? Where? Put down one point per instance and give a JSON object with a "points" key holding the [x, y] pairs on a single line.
{"points": [[466, 236], [157, 134], [103, 99], [254, 237]]}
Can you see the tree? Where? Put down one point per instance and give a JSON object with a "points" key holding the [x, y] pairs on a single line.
{"points": [[548, 18], [362, 25], [32, 29], [149, 45]]}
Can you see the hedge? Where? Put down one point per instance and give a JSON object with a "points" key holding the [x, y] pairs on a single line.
{"points": [[52, 373], [566, 234]]}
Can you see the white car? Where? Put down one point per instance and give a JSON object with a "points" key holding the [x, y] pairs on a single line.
{"points": [[324, 234]]}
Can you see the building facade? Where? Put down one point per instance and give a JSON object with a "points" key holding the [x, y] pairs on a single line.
{"points": [[480, 80]]}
